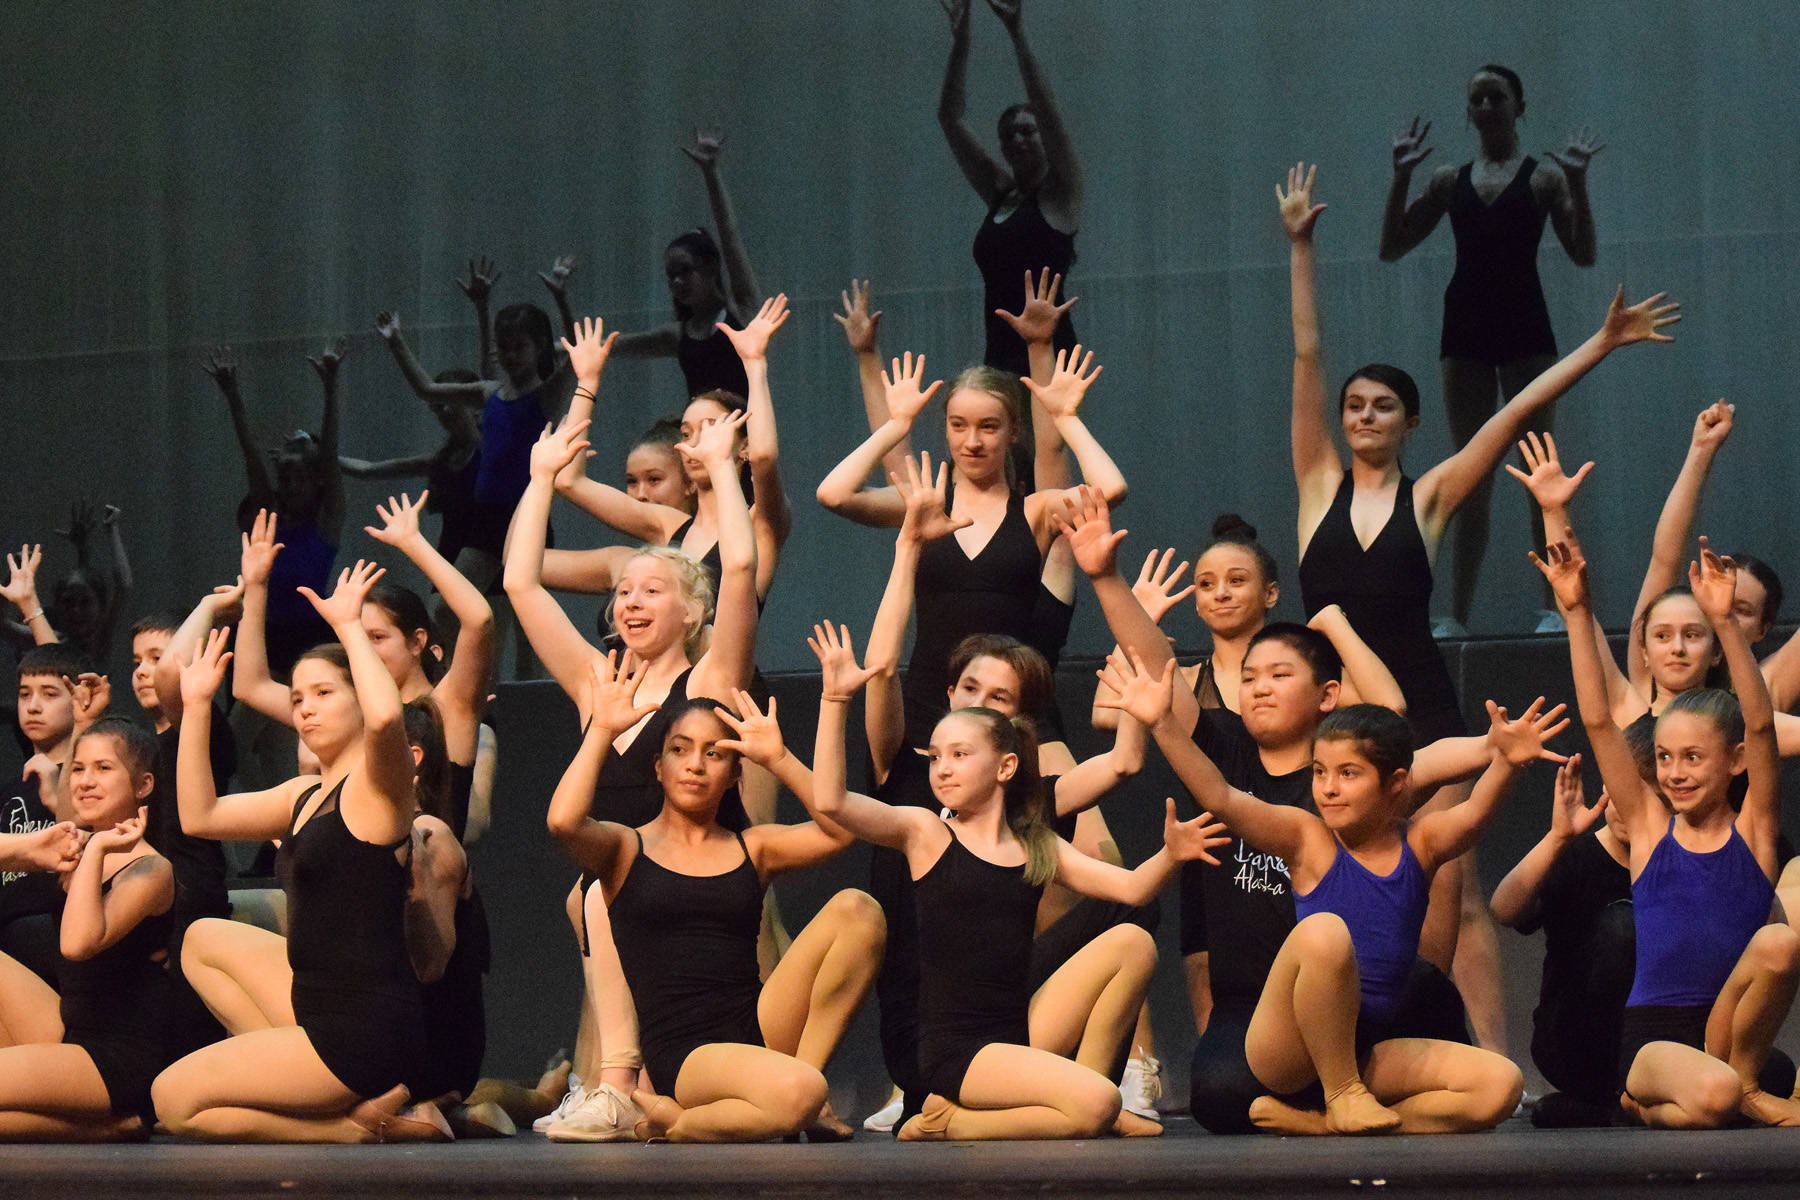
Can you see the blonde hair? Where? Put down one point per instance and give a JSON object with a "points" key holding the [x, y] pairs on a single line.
{"points": [[696, 589]]}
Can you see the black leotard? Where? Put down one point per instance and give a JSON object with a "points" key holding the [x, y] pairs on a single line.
{"points": [[711, 362], [627, 790], [996, 591], [354, 994], [1006, 246], [688, 946], [455, 1015], [452, 489], [1494, 310], [1385, 591], [975, 924], [115, 1006]]}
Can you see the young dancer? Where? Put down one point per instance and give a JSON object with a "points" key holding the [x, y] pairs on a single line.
{"points": [[996, 1056], [731, 1058], [1713, 980]]}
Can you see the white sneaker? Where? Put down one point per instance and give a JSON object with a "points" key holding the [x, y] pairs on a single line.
{"points": [[605, 1114], [882, 1120], [1142, 1086], [571, 1098]]}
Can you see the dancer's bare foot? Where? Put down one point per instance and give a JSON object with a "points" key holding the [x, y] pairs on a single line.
{"points": [[1355, 1111], [1129, 1124], [931, 1123], [1278, 1116], [660, 1115], [1765, 1109], [828, 1127]]}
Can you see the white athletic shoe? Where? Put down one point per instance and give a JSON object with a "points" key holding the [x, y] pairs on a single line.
{"points": [[1142, 1086], [882, 1119], [605, 1114], [570, 1099]]}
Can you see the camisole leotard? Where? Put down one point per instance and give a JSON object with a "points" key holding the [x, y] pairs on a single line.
{"points": [[711, 362], [1385, 914], [1007, 245], [1494, 310], [627, 791]]}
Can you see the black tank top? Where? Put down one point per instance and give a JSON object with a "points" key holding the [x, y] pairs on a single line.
{"points": [[688, 947], [976, 921], [1005, 248], [1494, 310], [1385, 591], [346, 903], [711, 362], [123, 990], [627, 790]]}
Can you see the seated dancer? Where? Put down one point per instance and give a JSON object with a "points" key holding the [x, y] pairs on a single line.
{"points": [[1713, 980], [1361, 874], [995, 1056], [731, 1058], [662, 604], [1004, 674], [78, 1067], [341, 1071]]}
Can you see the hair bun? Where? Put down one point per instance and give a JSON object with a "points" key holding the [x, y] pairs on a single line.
{"points": [[1229, 527]]}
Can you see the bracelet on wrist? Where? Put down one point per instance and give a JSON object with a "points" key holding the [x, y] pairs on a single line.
{"points": [[30, 617], [830, 699]]}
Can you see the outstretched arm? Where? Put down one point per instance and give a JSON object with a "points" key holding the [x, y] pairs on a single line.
{"points": [[730, 658], [222, 365], [1183, 841], [1571, 214], [553, 637], [741, 296], [1518, 902], [1441, 836], [860, 326], [252, 683], [1367, 679], [21, 589], [1713, 581], [1404, 225], [1061, 400], [607, 699], [475, 394], [556, 282], [247, 816], [844, 490], [989, 179], [1443, 488], [1317, 468], [331, 475], [777, 849], [479, 288], [191, 633], [761, 444], [1063, 186]]}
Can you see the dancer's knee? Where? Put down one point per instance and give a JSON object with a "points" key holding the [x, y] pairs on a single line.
{"points": [[1092, 1108], [794, 1095], [1713, 1097], [857, 914], [1497, 1097], [174, 1099], [1775, 950], [1322, 936]]}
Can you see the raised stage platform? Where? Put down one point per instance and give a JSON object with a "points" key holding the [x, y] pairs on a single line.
{"points": [[1515, 1161]]}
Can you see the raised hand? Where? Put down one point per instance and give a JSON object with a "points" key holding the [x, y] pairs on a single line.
{"points": [[752, 341], [1088, 526], [1061, 397], [204, 673], [1298, 212], [590, 349], [344, 605], [222, 365], [1521, 739], [1195, 840], [1566, 571], [1713, 580], [81, 523], [612, 692], [257, 550], [1010, 12], [1543, 475], [226, 599], [54, 848], [120, 837], [758, 733], [1156, 584], [326, 364], [904, 399], [958, 12], [1640, 322], [1713, 425], [716, 441], [480, 283], [387, 324], [1409, 146], [1575, 157], [557, 447], [706, 147], [1569, 816], [557, 277], [859, 323], [926, 519], [399, 520], [21, 576], [1036, 321], [92, 695], [1143, 697], [109, 515], [841, 676]]}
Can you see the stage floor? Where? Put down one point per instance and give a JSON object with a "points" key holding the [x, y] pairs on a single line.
{"points": [[1513, 1161]]}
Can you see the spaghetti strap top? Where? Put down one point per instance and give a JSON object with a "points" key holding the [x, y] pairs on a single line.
{"points": [[1494, 310]]}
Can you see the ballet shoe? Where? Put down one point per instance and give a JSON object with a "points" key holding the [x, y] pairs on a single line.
{"points": [[1130, 1125], [828, 1127], [931, 1123], [1278, 1116], [486, 1120], [660, 1115], [1764, 1109], [555, 1079], [1354, 1111], [382, 1118]]}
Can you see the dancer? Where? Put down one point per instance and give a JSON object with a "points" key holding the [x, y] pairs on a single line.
{"points": [[732, 1059], [1713, 979], [711, 286], [33, 627], [1496, 335], [77, 1067], [1361, 876], [340, 1074], [85, 605], [995, 1056]]}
